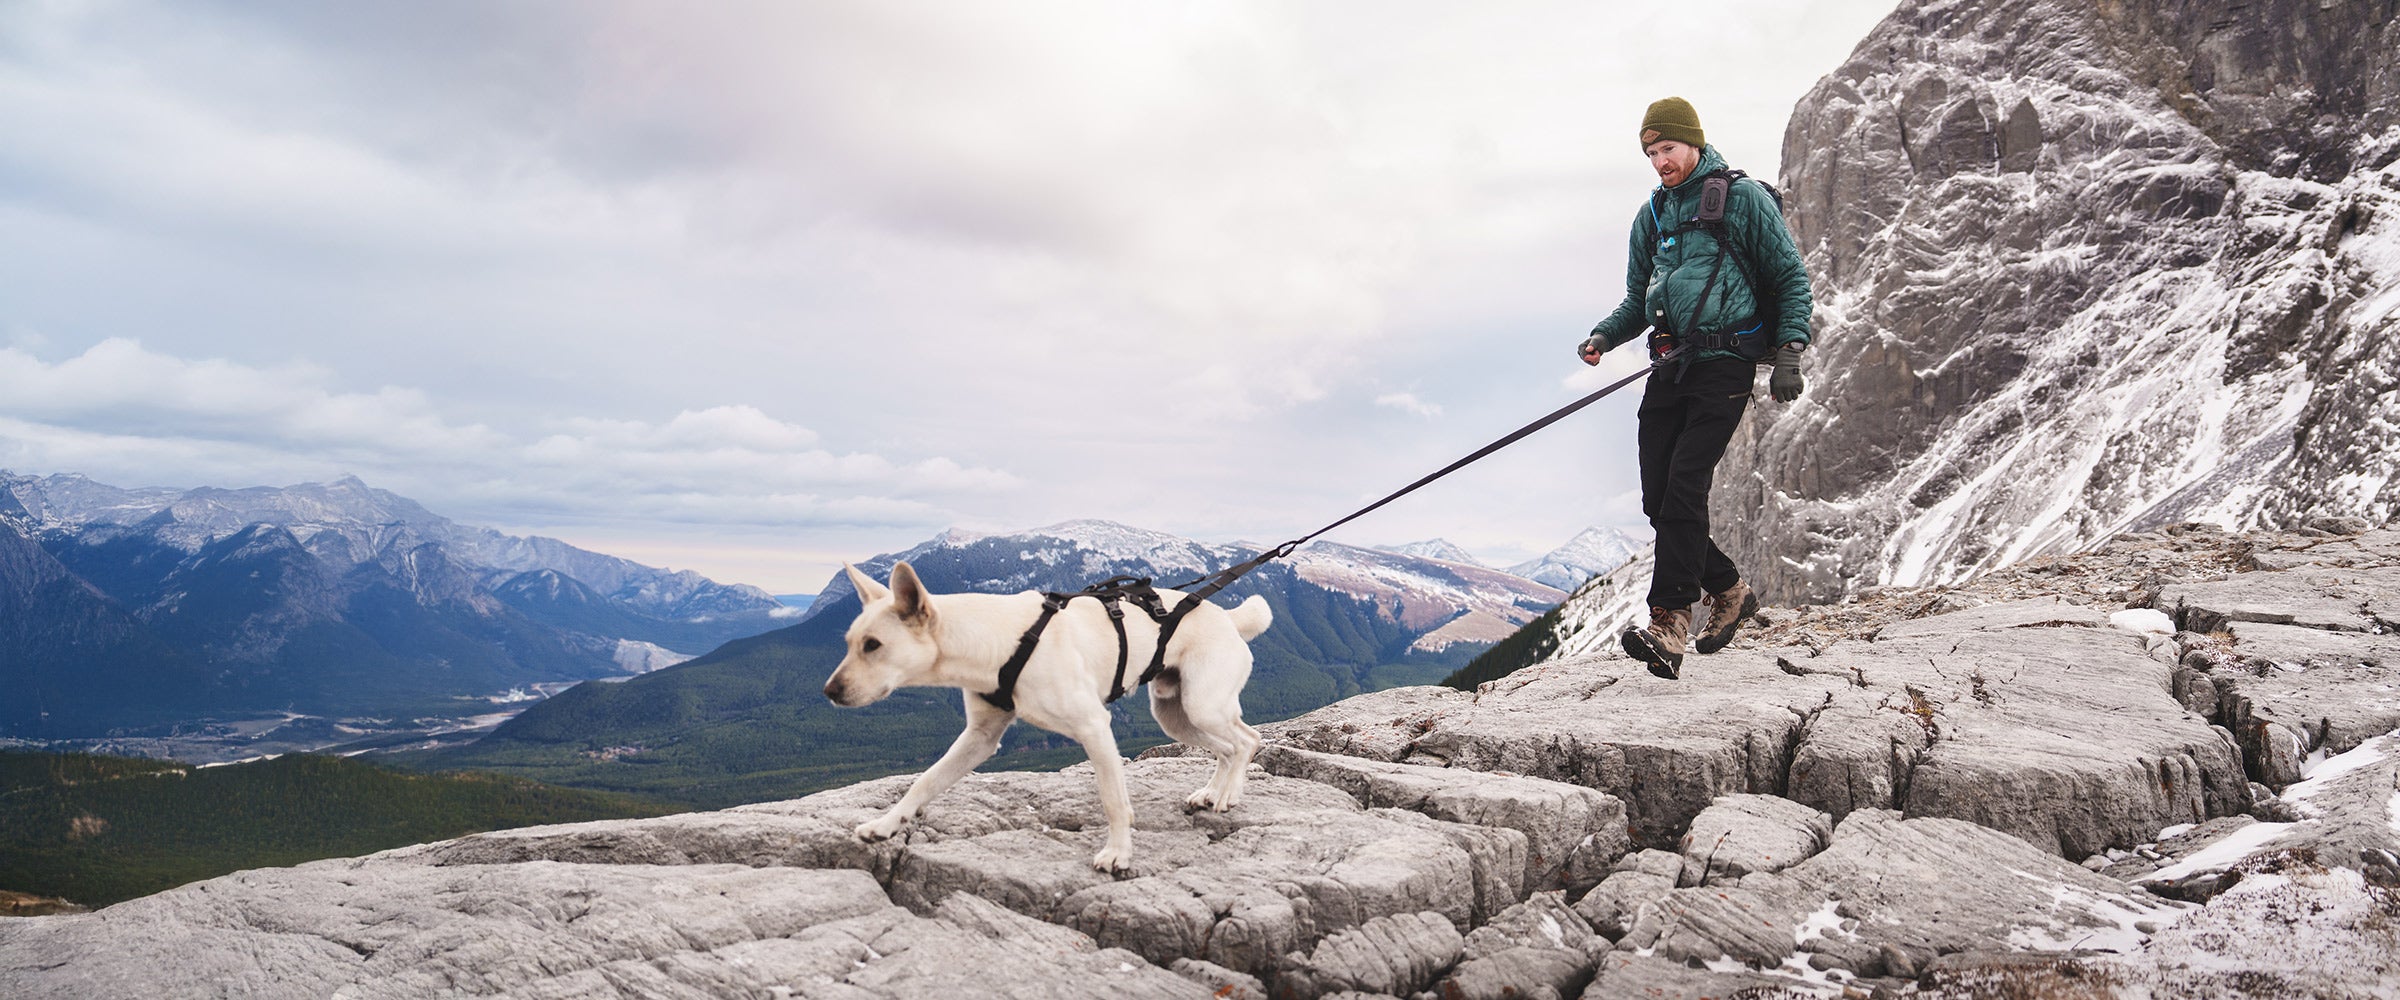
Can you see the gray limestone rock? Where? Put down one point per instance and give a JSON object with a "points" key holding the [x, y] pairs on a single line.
{"points": [[2380, 547], [1665, 864], [1265, 891], [2290, 929], [1386, 873], [741, 836], [1383, 725], [2302, 690], [2348, 810], [2128, 866], [1623, 974], [1663, 748], [2027, 719], [2039, 611], [1538, 948], [2292, 646], [388, 928], [1005, 854], [1610, 907], [2311, 597], [1918, 887], [1543, 920], [1296, 861], [2343, 814], [1396, 954], [1741, 834], [2067, 736], [1222, 983], [1858, 751], [1572, 833]]}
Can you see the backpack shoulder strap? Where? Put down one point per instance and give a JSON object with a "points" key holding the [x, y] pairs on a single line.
{"points": [[1714, 190]]}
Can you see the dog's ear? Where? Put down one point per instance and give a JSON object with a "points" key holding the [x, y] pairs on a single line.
{"points": [[909, 599], [868, 589]]}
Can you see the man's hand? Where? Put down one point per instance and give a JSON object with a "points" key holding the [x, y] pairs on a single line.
{"points": [[1593, 346], [1785, 382]]}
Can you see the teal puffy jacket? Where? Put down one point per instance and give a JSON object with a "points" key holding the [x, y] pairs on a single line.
{"points": [[1663, 279]]}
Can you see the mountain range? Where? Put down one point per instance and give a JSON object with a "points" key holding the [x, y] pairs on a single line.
{"points": [[748, 721], [129, 610], [214, 624], [1588, 554]]}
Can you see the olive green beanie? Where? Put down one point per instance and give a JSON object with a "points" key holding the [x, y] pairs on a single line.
{"points": [[1672, 118]]}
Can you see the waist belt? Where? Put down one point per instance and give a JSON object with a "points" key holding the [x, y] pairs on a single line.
{"points": [[1753, 344]]}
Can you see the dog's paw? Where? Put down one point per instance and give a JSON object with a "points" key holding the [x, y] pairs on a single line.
{"points": [[880, 828], [1205, 798], [1113, 860]]}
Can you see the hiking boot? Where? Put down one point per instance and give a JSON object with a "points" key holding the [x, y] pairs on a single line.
{"points": [[1727, 610], [1661, 645]]}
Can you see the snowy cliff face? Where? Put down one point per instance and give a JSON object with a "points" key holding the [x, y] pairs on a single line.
{"points": [[2082, 269]]}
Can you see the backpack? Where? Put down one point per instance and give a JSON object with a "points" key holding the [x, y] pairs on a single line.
{"points": [[1715, 189]]}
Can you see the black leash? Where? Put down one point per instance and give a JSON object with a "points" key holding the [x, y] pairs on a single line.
{"points": [[1285, 549], [1144, 596]]}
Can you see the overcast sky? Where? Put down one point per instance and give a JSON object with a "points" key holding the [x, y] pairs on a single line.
{"points": [[755, 288]]}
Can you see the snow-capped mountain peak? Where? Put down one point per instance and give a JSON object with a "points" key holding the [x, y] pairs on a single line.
{"points": [[348, 523], [1167, 553], [1435, 548], [1591, 551]]}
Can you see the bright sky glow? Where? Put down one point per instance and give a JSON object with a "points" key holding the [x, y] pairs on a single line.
{"points": [[750, 288]]}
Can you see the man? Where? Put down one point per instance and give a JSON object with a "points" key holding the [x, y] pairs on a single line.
{"points": [[1721, 294]]}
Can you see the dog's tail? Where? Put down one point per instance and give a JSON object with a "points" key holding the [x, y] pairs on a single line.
{"points": [[1251, 617]]}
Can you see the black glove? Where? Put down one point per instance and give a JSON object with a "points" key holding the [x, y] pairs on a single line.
{"points": [[1785, 383], [1593, 347]]}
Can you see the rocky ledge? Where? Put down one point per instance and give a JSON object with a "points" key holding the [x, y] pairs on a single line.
{"points": [[2164, 767]]}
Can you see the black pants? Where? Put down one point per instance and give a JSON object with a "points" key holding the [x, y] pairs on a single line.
{"points": [[1684, 428]]}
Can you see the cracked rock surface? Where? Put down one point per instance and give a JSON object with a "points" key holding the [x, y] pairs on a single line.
{"points": [[1919, 793]]}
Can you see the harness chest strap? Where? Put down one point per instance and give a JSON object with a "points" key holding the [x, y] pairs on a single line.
{"points": [[1004, 697], [1715, 189], [1109, 593]]}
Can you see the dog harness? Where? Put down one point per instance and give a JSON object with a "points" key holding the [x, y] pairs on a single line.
{"points": [[1112, 593]]}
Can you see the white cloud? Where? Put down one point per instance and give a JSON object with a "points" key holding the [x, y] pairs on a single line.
{"points": [[1407, 402], [117, 386], [122, 411]]}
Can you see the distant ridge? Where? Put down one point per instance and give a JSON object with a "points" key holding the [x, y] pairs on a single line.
{"points": [[127, 611]]}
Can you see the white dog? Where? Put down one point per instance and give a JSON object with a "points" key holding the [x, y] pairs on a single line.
{"points": [[907, 637]]}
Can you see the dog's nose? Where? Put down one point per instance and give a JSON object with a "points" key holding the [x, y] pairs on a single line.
{"points": [[833, 690]]}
